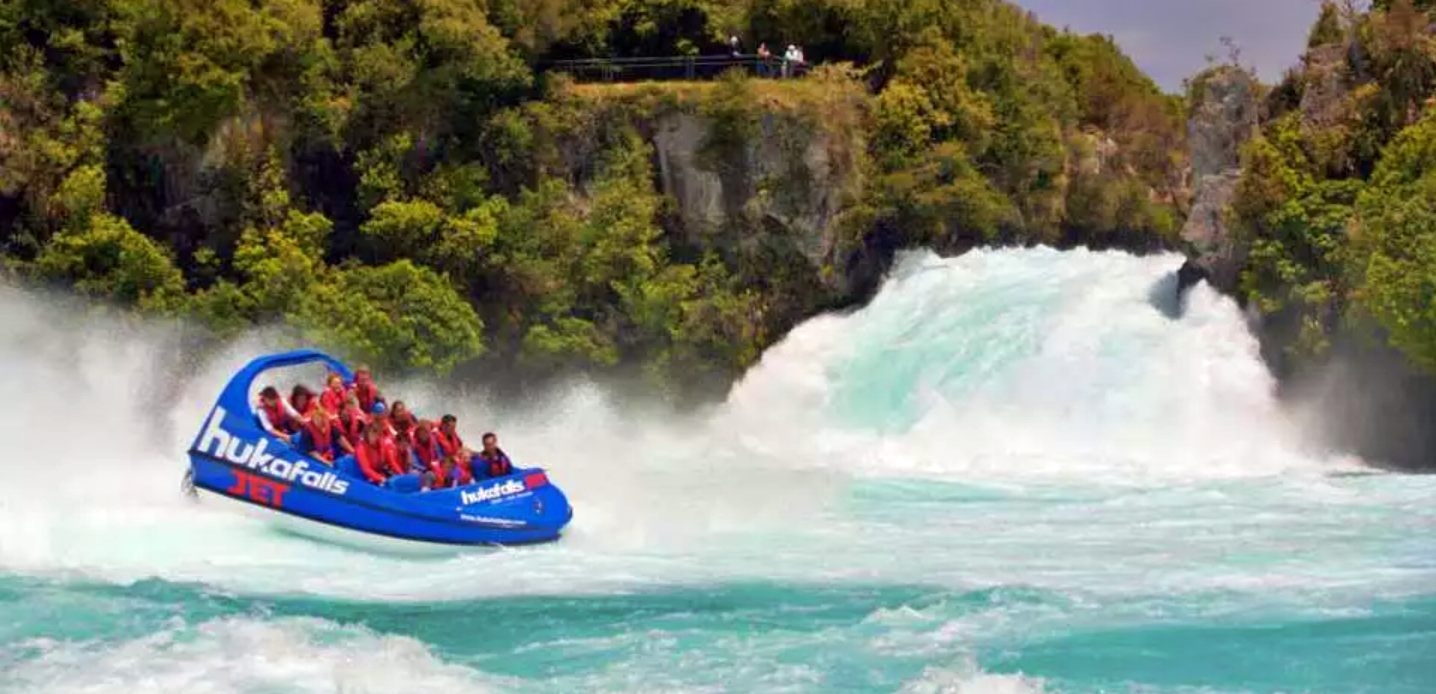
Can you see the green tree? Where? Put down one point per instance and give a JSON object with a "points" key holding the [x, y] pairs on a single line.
{"points": [[104, 258], [1398, 243], [395, 316]]}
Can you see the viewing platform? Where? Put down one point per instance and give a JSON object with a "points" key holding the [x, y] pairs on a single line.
{"points": [[698, 67]]}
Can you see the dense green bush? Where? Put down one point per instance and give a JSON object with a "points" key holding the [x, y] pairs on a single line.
{"points": [[1337, 214]]}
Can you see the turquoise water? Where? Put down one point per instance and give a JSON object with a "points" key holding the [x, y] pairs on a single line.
{"points": [[1010, 473]]}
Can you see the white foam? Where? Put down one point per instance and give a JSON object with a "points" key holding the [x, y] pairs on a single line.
{"points": [[967, 679], [243, 655], [1027, 365]]}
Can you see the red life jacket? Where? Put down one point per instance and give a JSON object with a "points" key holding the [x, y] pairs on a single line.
{"points": [[306, 411], [459, 477], [431, 454], [332, 401], [322, 440], [371, 459], [354, 428], [397, 465], [366, 394], [450, 444], [276, 415], [499, 465]]}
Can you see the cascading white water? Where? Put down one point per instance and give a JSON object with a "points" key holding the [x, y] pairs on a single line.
{"points": [[1027, 364], [1004, 421]]}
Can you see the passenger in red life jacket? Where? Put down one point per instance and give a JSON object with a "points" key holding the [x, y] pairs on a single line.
{"points": [[456, 472], [322, 439], [352, 421], [275, 415], [448, 435], [365, 390], [492, 459], [448, 474], [402, 432], [303, 402], [380, 415], [332, 398], [426, 447], [449, 441], [399, 412], [376, 457]]}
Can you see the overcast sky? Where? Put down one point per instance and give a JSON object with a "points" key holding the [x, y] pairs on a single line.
{"points": [[1170, 39]]}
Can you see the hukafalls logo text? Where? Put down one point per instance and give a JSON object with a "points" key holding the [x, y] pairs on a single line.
{"points": [[219, 443], [492, 492]]}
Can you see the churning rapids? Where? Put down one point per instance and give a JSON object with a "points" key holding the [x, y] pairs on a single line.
{"points": [[1013, 471]]}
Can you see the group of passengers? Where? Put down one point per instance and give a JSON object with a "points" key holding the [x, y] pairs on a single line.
{"points": [[385, 440]]}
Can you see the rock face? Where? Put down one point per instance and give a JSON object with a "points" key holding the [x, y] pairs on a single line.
{"points": [[1222, 120], [783, 184]]}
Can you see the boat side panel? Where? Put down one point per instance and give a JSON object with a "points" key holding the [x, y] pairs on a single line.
{"points": [[357, 512]]}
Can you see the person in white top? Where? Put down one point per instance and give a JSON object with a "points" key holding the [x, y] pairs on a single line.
{"points": [[275, 414]]}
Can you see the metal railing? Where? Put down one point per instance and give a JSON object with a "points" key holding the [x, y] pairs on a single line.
{"points": [[674, 67]]}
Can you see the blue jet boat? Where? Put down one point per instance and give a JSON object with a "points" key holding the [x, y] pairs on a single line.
{"points": [[234, 458]]}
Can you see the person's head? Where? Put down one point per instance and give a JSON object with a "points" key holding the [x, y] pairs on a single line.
{"points": [[269, 395], [378, 410], [373, 432], [399, 410], [362, 376], [320, 418], [335, 382], [447, 423], [423, 429], [491, 442], [449, 463], [300, 396]]}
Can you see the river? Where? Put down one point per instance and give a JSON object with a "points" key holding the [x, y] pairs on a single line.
{"points": [[1013, 471]]}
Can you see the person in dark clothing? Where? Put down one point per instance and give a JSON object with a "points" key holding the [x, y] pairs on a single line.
{"points": [[303, 401], [492, 459]]}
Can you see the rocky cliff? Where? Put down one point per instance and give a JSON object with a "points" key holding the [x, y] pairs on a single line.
{"points": [[753, 169], [1224, 115], [791, 188]]}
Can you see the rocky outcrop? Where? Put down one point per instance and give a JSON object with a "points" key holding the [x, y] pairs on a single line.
{"points": [[774, 182], [1224, 116], [762, 169]]}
